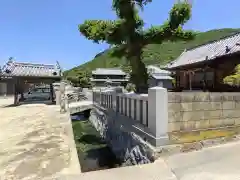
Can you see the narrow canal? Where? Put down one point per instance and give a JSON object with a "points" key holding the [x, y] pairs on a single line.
{"points": [[93, 152]]}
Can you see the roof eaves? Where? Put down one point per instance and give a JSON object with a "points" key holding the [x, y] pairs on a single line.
{"points": [[213, 41], [166, 67]]}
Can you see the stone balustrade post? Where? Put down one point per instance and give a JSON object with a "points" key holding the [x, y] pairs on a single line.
{"points": [[158, 114], [57, 93], [114, 100], [63, 98]]}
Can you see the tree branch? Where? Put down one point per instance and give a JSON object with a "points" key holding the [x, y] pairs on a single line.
{"points": [[171, 29], [158, 34], [95, 30]]}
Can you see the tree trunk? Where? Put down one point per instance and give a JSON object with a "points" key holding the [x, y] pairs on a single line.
{"points": [[139, 75]]}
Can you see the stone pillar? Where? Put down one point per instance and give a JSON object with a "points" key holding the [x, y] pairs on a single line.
{"points": [[58, 98], [63, 105], [57, 93], [138, 110], [158, 114]]}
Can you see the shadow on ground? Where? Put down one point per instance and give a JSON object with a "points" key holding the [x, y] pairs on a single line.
{"points": [[29, 102]]}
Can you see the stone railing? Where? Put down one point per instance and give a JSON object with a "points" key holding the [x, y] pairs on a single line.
{"points": [[131, 105], [146, 110]]}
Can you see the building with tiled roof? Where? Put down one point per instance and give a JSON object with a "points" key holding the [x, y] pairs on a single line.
{"points": [[102, 77], [159, 77], [19, 69], [15, 77], [207, 65], [207, 52]]}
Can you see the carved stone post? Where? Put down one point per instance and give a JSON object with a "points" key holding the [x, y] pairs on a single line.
{"points": [[62, 98]]}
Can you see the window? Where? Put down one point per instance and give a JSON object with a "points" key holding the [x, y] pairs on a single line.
{"points": [[46, 90], [38, 90], [160, 83]]}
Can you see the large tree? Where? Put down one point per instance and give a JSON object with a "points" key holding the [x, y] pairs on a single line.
{"points": [[233, 79], [128, 37]]}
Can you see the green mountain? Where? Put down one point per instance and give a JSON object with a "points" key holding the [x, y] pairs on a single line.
{"points": [[153, 53]]}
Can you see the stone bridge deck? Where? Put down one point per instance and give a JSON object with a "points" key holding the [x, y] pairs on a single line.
{"points": [[36, 142], [77, 107]]}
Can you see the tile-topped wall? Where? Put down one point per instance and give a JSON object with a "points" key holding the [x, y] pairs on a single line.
{"points": [[202, 110]]}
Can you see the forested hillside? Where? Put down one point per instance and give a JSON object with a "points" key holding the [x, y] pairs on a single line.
{"points": [[153, 53]]}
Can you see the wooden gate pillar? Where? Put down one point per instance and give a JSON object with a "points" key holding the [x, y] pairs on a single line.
{"points": [[51, 92]]}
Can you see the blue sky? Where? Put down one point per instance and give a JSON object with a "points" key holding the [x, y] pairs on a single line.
{"points": [[47, 30]]}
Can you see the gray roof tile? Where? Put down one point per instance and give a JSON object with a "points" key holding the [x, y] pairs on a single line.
{"points": [[208, 51], [108, 71], [161, 77], [154, 69], [28, 69]]}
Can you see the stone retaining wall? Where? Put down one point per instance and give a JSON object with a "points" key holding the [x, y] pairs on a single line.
{"points": [[202, 110], [120, 135]]}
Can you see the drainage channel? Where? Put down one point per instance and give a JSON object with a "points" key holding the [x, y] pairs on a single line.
{"points": [[93, 152]]}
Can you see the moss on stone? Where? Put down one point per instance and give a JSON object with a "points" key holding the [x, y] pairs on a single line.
{"points": [[196, 136]]}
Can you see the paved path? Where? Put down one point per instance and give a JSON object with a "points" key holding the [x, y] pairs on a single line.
{"points": [[4, 101], [216, 163], [36, 142]]}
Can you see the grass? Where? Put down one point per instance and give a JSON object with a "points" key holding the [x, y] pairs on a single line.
{"points": [[93, 152], [86, 137], [196, 136]]}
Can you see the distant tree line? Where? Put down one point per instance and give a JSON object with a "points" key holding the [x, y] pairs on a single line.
{"points": [[79, 78]]}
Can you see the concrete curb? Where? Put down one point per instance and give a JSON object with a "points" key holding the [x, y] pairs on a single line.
{"points": [[195, 146]]}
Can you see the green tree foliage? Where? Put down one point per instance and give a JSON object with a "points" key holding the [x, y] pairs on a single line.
{"points": [[128, 36], [130, 87], [234, 79], [79, 78]]}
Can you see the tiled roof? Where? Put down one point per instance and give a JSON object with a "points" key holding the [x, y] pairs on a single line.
{"points": [[154, 69], [161, 77], [28, 69], [158, 73], [108, 71], [210, 51], [111, 80]]}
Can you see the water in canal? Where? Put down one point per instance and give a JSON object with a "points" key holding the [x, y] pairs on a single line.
{"points": [[93, 152]]}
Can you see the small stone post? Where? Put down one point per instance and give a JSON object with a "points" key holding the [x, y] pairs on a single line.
{"points": [[62, 98], [158, 114], [115, 102], [57, 93]]}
